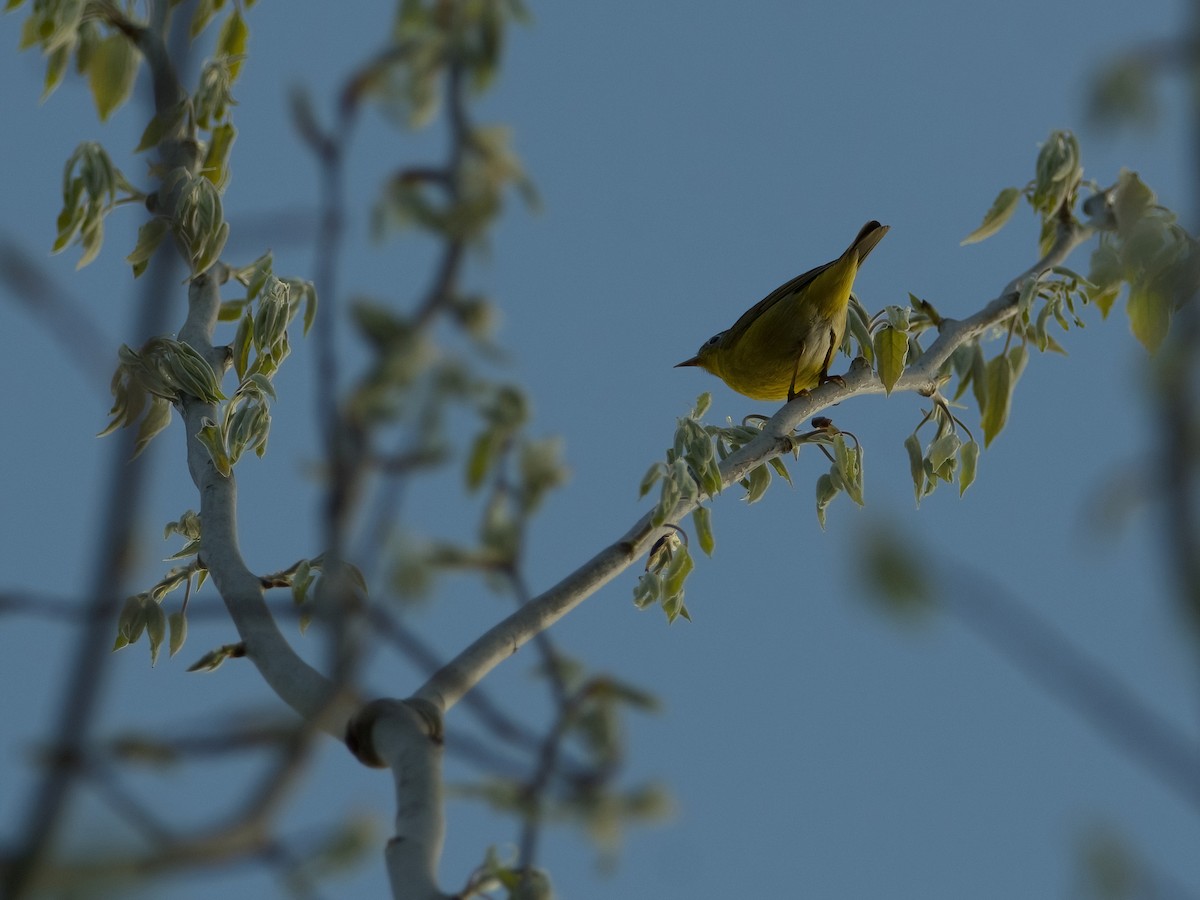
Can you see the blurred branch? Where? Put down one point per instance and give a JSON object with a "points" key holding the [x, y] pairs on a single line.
{"points": [[114, 550], [62, 315], [1179, 441], [1049, 658]]}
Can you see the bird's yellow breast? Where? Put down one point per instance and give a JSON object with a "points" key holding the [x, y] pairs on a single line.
{"points": [[784, 348]]}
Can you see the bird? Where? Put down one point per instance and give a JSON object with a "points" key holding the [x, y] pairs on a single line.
{"points": [[783, 345]]}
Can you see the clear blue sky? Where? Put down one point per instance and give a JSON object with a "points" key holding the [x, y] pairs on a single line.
{"points": [[690, 158]]}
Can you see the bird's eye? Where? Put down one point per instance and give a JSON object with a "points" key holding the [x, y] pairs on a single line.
{"points": [[713, 340]]}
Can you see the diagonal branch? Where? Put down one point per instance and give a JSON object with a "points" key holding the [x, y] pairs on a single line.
{"points": [[65, 318], [452, 681]]}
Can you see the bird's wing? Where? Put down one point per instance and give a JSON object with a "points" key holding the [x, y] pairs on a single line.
{"points": [[868, 236], [749, 316]]}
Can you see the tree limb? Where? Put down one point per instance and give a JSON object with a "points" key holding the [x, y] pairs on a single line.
{"points": [[453, 680]]}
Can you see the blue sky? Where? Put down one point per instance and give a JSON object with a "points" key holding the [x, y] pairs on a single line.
{"points": [[690, 157]]}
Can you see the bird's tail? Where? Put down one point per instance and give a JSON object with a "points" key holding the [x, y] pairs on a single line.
{"points": [[870, 235]]}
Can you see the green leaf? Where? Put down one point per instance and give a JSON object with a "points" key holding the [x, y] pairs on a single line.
{"points": [[891, 352], [759, 480], [848, 466], [1002, 209], [177, 625], [212, 439], [302, 580], [781, 469], [192, 373], [999, 393], [648, 590], [212, 660], [158, 417], [1132, 201], [56, 67], [216, 161], [1149, 315], [968, 459], [91, 239], [232, 41], [310, 305], [826, 491], [704, 533], [669, 496], [205, 10], [131, 622], [480, 459], [242, 341], [1058, 174], [916, 464], [150, 235], [943, 450], [979, 386], [678, 569], [111, 72], [156, 629], [161, 125]]}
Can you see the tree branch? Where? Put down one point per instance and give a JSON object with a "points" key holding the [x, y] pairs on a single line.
{"points": [[297, 683], [452, 681]]}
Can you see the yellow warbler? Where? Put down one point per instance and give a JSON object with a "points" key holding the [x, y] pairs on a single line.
{"points": [[783, 345]]}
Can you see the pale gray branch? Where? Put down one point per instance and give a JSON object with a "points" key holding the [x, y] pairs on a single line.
{"points": [[297, 683], [453, 680]]}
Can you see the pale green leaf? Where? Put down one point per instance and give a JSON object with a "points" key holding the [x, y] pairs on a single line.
{"points": [[979, 386], [999, 394], [891, 352], [111, 72], [231, 41], [212, 439], [242, 341], [826, 491], [781, 469], [150, 235], [1002, 209], [648, 590], [704, 533], [916, 464], [158, 417], [847, 464], [1149, 315], [678, 569], [310, 305], [162, 125], [202, 15], [479, 461], [1132, 201], [216, 160], [759, 480], [968, 464], [56, 66], [943, 450], [177, 625], [156, 629]]}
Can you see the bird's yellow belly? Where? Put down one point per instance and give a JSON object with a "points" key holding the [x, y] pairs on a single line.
{"points": [[788, 357]]}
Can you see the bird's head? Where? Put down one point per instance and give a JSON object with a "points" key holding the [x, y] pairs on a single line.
{"points": [[706, 356]]}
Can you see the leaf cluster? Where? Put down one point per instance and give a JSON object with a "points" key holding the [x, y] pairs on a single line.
{"points": [[143, 612]]}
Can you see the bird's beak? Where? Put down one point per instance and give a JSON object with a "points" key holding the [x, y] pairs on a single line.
{"points": [[694, 361]]}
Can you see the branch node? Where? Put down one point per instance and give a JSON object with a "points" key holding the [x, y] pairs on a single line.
{"points": [[360, 729]]}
